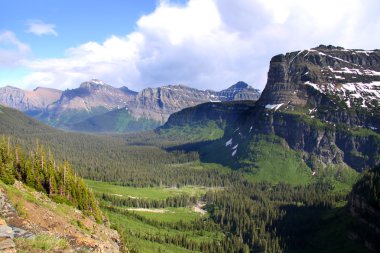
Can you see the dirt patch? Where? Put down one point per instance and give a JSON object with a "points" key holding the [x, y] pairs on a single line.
{"points": [[198, 208], [148, 210]]}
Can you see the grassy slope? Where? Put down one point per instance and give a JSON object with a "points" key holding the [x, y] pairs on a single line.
{"points": [[264, 159]]}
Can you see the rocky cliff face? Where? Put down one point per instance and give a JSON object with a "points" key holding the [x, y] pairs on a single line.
{"points": [[337, 84], [159, 103]]}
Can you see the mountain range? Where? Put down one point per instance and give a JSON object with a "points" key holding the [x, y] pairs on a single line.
{"points": [[86, 107]]}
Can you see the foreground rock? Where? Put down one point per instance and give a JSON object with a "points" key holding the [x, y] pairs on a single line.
{"points": [[36, 215]]}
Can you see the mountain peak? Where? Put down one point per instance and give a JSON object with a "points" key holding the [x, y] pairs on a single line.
{"points": [[93, 83], [239, 85], [125, 89], [329, 47], [239, 91]]}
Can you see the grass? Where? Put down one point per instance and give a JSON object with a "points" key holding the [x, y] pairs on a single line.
{"points": [[154, 193], [276, 163], [363, 132], [342, 178], [42, 242]]}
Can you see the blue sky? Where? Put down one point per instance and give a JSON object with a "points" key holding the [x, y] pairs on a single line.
{"points": [[199, 43], [76, 22]]}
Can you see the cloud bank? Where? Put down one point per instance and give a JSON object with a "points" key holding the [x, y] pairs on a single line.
{"points": [[12, 51], [39, 28], [211, 44]]}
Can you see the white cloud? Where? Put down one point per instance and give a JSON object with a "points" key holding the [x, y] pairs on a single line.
{"points": [[37, 27], [212, 43], [12, 51]]}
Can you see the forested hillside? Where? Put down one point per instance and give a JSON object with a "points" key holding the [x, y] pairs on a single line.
{"points": [[40, 171]]}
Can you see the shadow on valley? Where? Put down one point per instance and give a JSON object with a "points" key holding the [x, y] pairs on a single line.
{"points": [[209, 152], [317, 229]]}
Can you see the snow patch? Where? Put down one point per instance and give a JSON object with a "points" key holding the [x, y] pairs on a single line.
{"points": [[229, 142], [315, 86], [274, 106], [235, 147], [234, 152]]}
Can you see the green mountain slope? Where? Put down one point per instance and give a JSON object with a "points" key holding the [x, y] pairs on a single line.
{"points": [[119, 120], [15, 122]]}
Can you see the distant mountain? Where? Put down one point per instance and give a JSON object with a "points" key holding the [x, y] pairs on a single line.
{"points": [[239, 91], [28, 101], [91, 98], [320, 110], [86, 107]]}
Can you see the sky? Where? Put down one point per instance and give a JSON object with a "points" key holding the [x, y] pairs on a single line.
{"points": [[205, 44]]}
